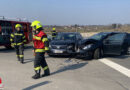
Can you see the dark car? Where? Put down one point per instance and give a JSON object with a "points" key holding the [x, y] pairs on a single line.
{"points": [[104, 43], [65, 43]]}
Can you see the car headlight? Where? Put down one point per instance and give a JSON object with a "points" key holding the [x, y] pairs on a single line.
{"points": [[88, 46]]}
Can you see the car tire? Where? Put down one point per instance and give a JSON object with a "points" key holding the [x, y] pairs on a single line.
{"points": [[101, 53], [97, 53]]}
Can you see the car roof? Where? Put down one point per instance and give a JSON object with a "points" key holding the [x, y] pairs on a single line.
{"points": [[112, 32]]}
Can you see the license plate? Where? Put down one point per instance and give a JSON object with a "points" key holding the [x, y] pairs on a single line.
{"points": [[58, 51]]}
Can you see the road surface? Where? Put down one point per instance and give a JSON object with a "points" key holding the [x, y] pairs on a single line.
{"points": [[66, 73]]}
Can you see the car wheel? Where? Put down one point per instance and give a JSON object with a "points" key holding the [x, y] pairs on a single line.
{"points": [[97, 53], [101, 53]]}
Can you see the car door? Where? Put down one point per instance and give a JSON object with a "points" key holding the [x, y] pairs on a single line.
{"points": [[113, 44]]}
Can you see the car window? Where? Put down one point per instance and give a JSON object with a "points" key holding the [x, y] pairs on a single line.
{"points": [[98, 36], [65, 36], [116, 37]]}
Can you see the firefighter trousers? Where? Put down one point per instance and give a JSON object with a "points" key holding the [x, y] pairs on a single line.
{"points": [[40, 62], [20, 52]]}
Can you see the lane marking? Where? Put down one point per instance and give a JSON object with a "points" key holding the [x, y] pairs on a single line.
{"points": [[116, 66]]}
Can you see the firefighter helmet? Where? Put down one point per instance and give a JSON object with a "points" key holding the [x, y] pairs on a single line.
{"points": [[36, 25], [18, 26], [54, 29]]}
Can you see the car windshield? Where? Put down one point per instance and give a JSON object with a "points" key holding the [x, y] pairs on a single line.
{"points": [[65, 36], [98, 36]]}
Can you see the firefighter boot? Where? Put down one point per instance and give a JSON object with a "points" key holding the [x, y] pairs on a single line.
{"points": [[37, 75], [18, 58], [46, 73], [22, 60]]}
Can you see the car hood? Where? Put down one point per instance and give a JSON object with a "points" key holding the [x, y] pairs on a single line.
{"points": [[62, 42], [89, 41]]}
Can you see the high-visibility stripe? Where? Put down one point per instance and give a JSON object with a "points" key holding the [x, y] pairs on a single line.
{"points": [[24, 41], [18, 43], [12, 43], [23, 37], [44, 39], [53, 36], [12, 35], [46, 48], [11, 40], [21, 55], [18, 34], [39, 50], [53, 32], [45, 68], [36, 37], [37, 68]]}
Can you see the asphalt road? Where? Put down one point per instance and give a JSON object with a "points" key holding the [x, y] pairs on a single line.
{"points": [[66, 73]]}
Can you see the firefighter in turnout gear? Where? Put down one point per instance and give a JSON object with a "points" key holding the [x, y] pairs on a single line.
{"points": [[41, 46], [17, 41], [54, 33]]}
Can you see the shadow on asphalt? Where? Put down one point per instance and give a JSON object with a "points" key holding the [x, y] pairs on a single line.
{"points": [[70, 67], [28, 60], [5, 50], [37, 85]]}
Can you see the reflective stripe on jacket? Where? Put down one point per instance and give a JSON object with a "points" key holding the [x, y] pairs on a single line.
{"points": [[54, 33], [41, 43], [17, 38]]}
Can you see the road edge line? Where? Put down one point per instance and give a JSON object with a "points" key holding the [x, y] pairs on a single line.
{"points": [[116, 66]]}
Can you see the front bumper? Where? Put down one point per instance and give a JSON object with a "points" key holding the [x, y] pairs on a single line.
{"points": [[84, 54]]}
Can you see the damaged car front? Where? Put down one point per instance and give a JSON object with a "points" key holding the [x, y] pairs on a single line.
{"points": [[88, 47]]}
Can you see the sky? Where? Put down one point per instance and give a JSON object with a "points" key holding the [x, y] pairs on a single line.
{"points": [[68, 12]]}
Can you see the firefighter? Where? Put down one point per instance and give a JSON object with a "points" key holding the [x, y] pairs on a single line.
{"points": [[41, 46], [17, 41], [54, 33]]}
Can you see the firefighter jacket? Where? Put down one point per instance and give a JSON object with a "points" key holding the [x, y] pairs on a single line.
{"points": [[17, 38], [41, 43], [54, 33]]}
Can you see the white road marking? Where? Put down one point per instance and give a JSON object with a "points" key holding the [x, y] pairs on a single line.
{"points": [[116, 66]]}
